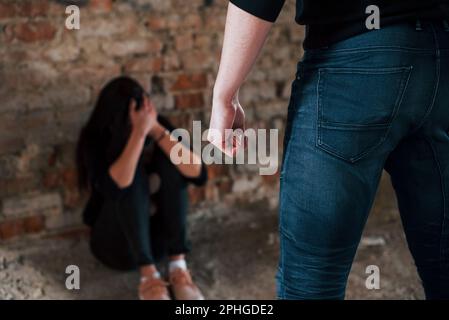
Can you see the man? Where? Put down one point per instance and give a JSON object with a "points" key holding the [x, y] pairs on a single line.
{"points": [[363, 100]]}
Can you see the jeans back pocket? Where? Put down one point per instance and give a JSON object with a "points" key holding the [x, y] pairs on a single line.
{"points": [[356, 107]]}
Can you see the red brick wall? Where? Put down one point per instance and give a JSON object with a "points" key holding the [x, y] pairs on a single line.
{"points": [[50, 77]]}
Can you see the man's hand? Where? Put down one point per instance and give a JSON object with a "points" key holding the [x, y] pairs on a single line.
{"points": [[244, 37], [227, 125]]}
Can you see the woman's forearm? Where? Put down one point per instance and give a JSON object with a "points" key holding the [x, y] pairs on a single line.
{"points": [[244, 38], [189, 170], [122, 171]]}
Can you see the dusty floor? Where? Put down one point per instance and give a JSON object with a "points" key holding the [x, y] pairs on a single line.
{"points": [[235, 257]]}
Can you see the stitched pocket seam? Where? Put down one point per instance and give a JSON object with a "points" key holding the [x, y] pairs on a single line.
{"points": [[321, 124]]}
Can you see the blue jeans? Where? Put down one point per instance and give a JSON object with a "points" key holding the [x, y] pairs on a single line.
{"points": [[379, 100]]}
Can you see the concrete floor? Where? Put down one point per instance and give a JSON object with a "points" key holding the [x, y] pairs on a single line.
{"points": [[234, 257]]}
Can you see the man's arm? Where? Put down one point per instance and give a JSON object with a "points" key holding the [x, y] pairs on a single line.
{"points": [[244, 37]]}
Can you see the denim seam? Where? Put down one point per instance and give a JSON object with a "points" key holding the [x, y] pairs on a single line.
{"points": [[353, 127], [282, 272], [444, 191], [288, 134], [365, 71], [292, 108], [404, 84], [318, 109], [369, 49], [435, 87]]}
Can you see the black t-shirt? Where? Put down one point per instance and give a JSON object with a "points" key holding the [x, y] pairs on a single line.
{"points": [[104, 189], [329, 21]]}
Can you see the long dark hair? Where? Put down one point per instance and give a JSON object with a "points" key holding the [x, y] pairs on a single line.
{"points": [[104, 136]]}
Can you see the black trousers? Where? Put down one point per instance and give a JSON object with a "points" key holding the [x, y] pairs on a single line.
{"points": [[125, 236]]}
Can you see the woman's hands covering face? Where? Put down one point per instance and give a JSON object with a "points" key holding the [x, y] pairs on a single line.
{"points": [[144, 119]]}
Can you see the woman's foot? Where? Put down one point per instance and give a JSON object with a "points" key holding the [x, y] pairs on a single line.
{"points": [[182, 285], [153, 288]]}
